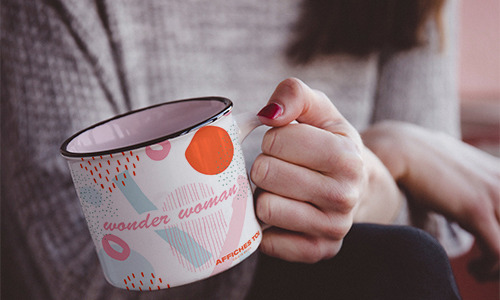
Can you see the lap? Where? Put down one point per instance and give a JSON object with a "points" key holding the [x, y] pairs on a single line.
{"points": [[375, 262]]}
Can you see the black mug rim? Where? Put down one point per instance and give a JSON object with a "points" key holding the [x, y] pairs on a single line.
{"points": [[227, 108]]}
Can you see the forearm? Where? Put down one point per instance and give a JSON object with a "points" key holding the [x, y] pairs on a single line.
{"points": [[446, 176]]}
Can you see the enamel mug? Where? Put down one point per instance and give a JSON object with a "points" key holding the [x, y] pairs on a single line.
{"points": [[165, 192]]}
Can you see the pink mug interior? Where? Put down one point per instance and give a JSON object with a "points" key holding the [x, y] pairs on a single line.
{"points": [[145, 126]]}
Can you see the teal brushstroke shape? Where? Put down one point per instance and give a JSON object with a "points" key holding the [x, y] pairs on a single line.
{"points": [[186, 245], [133, 193]]}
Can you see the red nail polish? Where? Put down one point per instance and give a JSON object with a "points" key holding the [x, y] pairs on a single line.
{"points": [[271, 111]]}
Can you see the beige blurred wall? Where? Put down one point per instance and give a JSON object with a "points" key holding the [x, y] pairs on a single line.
{"points": [[480, 50], [479, 77]]}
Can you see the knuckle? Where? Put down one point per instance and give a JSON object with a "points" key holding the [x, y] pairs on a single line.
{"points": [[479, 209], [345, 162], [332, 231], [351, 165], [348, 200], [260, 170], [332, 249], [336, 228], [320, 249], [267, 246], [270, 143], [341, 196], [263, 209], [292, 85], [313, 253]]}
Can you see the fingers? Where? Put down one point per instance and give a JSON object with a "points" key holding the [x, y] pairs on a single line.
{"points": [[491, 235], [295, 182], [297, 247], [294, 100], [487, 266], [310, 172], [314, 148], [479, 215], [487, 230], [301, 217]]}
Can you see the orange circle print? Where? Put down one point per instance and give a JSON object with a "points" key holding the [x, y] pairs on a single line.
{"points": [[210, 151]]}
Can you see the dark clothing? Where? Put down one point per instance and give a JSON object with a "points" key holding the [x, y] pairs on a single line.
{"points": [[375, 262]]}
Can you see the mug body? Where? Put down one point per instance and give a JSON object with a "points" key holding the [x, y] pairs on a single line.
{"points": [[165, 193]]}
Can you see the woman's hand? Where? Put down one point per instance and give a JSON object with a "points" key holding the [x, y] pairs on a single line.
{"points": [[311, 176], [448, 176]]}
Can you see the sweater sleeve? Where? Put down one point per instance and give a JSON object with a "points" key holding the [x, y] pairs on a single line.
{"points": [[51, 87], [61, 73], [420, 87]]}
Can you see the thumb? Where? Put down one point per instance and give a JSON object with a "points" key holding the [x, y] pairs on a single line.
{"points": [[294, 100]]}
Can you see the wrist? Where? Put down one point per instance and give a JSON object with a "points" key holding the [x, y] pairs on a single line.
{"points": [[381, 200], [388, 143], [387, 165]]}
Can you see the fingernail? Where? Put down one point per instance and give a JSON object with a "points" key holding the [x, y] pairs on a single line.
{"points": [[271, 111]]}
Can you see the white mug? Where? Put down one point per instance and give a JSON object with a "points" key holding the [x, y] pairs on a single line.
{"points": [[165, 192]]}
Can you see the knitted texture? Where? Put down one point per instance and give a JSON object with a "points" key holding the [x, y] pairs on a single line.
{"points": [[68, 64]]}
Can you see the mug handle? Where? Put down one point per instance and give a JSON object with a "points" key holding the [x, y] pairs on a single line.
{"points": [[246, 122]]}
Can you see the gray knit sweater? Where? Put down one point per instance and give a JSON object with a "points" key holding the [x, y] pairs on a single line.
{"points": [[69, 63]]}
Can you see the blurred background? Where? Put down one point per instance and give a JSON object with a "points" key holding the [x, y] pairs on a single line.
{"points": [[479, 77], [479, 88]]}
